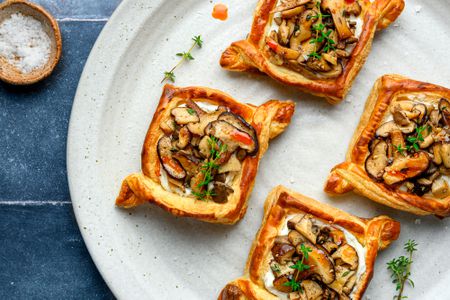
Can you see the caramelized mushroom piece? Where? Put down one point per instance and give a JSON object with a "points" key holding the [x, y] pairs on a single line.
{"points": [[311, 290], [406, 167], [445, 154], [168, 126], [184, 137], [444, 109], [170, 165], [343, 275], [232, 165], [397, 140], [440, 188], [295, 237], [437, 159], [285, 52], [347, 255], [239, 122], [205, 118], [280, 283], [306, 227], [184, 115], [320, 263], [282, 252], [221, 192], [190, 163], [385, 129], [231, 136], [377, 161], [336, 8], [292, 12]]}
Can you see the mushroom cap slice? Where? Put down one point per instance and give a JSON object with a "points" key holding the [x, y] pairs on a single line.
{"points": [[190, 163], [406, 167], [221, 192], [347, 255], [295, 237], [231, 136], [184, 137], [170, 165], [385, 129], [184, 115], [280, 283], [377, 161], [444, 109], [282, 252], [440, 188], [336, 8], [306, 227], [239, 122], [343, 275], [319, 262]]}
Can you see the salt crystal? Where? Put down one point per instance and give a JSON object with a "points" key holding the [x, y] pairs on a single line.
{"points": [[24, 42]]}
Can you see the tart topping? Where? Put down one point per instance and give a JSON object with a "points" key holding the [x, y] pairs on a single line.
{"points": [[411, 149], [314, 38], [202, 151], [313, 261]]}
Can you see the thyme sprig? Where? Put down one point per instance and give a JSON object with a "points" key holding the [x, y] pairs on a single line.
{"points": [[170, 75], [401, 269], [412, 142], [216, 150], [321, 35], [300, 266]]}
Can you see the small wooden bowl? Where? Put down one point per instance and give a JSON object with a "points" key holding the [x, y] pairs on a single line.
{"points": [[10, 73]]}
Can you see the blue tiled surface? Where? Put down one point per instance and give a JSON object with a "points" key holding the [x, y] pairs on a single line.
{"points": [[42, 254]]}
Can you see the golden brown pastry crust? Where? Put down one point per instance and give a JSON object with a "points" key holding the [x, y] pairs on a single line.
{"points": [[247, 55], [269, 120], [374, 234], [352, 175]]}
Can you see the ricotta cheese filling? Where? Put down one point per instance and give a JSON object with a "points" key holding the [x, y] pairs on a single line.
{"points": [[350, 239]]}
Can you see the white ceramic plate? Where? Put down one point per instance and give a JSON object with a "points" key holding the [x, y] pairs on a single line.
{"points": [[147, 253]]}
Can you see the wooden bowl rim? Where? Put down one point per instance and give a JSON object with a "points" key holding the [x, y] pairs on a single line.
{"points": [[33, 77]]}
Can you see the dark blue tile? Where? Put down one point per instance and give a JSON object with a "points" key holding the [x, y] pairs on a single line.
{"points": [[42, 256], [79, 8], [34, 121]]}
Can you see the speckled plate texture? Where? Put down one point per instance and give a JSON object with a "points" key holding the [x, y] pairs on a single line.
{"points": [[145, 253]]}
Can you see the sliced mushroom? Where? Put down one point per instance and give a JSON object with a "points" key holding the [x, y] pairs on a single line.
{"points": [[330, 57], [190, 163], [427, 141], [307, 228], [231, 136], [168, 126], [385, 129], [184, 137], [232, 165], [400, 117], [305, 22], [295, 237], [398, 141], [444, 109], [170, 165], [346, 255], [289, 13], [294, 220], [377, 161], [239, 122], [330, 247], [343, 275], [196, 182], [184, 115], [348, 287], [437, 159], [279, 270], [285, 52], [312, 290], [283, 252], [320, 263], [445, 154], [352, 8], [406, 167], [281, 283], [435, 117], [421, 110], [206, 118], [440, 188], [319, 65], [336, 8], [221, 191], [283, 33]]}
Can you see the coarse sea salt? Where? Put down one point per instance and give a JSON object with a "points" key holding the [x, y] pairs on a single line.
{"points": [[24, 42]]}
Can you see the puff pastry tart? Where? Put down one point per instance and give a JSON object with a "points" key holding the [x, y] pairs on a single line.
{"points": [[201, 153], [308, 250], [400, 153], [317, 46]]}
